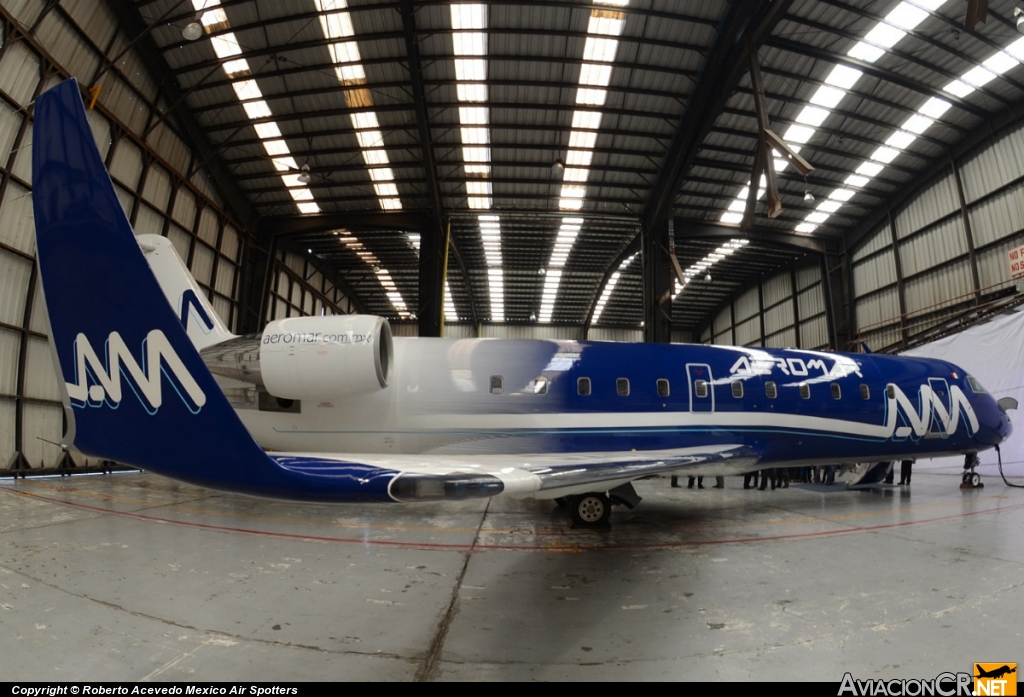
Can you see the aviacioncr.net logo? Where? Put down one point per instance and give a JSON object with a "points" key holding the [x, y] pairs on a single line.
{"points": [[943, 685], [98, 382]]}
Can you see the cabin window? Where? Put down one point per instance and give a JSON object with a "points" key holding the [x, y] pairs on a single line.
{"points": [[865, 392], [769, 390], [495, 384], [540, 385], [836, 391], [622, 387], [890, 391], [583, 386], [976, 386], [701, 388], [663, 390], [737, 389], [805, 391]]}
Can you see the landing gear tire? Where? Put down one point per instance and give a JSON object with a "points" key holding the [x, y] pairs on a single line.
{"points": [[971, 480], [561, 502], [589, 510]]}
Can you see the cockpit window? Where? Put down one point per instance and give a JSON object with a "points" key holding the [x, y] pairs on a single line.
{"points": [[976, 386]]}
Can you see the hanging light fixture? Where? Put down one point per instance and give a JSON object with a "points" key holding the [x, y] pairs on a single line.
{"points": [[808, 196], [305, 177], [194, 29]]}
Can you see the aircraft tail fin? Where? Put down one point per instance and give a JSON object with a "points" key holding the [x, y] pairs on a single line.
{"points": [[202, 323], [135, 388]]}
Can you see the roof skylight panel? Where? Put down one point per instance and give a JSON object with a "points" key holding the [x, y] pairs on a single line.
{"points": [[336, 24]]}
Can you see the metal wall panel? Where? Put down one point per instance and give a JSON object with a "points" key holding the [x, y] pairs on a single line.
{"points": [[225, 278], [810, 303], [126, 198], [295, 263], [881, 338], [94, 18], [222, 306], [874, 273], [999, 216], [157, 189], [123, 103], [229, 244], [66, 47], [126, 164], [170, 147], [536, 331], [180, 239], [778, 318], [679, 336], [784, 339], [17, 224], [10, 122], [208, 227], [40, 373], [100, 128], [10, 346], [777, 288], [723, 325], [7, 421], [747, 305], [202, 264], [184, 213], [705, 336], [877, 308], [933, 248], [22, 168], [748, 333], [43, 421], [149, 222], [39, 322], [942, 284], [14, 275], [929, 205], [616, 334], [814, 333], [457, 331], [807, 276], [20, 73], [996, 165]]}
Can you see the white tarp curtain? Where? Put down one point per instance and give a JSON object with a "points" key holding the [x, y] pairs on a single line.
{"points": [[992, 352]]}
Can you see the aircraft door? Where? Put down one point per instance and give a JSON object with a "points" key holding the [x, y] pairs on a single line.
{"points": [[702, 391]]}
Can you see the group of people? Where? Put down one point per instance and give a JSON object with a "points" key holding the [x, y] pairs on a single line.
{"points": [[780, 477]]}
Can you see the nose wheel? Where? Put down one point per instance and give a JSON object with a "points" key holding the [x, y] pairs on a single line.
{"points": [[971, 479], [589, 510]]}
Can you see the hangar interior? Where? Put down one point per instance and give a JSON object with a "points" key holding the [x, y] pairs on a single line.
{"points": [[523, 169]]}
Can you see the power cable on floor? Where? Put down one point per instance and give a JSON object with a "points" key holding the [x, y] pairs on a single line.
{"points": [[999, 457]]}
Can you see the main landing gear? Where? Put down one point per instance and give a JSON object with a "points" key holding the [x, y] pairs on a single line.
{"points": [[593, 509], [971, 479]]}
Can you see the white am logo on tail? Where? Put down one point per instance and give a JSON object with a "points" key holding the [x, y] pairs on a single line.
{"points": [[158, 356], [928, 411]]}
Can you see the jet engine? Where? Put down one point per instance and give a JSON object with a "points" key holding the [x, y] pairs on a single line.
{"points": [[310, 357]]}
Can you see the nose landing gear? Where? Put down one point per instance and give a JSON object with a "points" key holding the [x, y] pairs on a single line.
{"points": [[971, 479]]}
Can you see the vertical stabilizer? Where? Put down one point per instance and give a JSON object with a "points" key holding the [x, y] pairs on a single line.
{"points": [[202, 324]]}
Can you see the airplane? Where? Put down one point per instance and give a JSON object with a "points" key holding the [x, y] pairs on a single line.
{"points": [[334, 409], [995, 673]]}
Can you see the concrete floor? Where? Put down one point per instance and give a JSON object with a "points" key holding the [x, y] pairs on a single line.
{"points": [[136, 577]]}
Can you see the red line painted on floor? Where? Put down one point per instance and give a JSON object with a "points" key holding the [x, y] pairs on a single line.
{"points": [[564, 547]]}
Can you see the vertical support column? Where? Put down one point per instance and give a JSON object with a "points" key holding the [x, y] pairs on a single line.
{"points": [[830, 307], [796, 308], [657, 283], [760, 308], [732, 321], [968, 232], [431, 285], [900, 289]]}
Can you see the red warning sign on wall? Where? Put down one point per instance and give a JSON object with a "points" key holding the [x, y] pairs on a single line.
{"points": [[1016, 259]]}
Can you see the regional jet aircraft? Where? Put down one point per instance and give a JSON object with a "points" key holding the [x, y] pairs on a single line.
{"points": [[354, 415]]}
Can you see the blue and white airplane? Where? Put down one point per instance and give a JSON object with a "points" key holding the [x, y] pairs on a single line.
{"points": [[351, 414]]}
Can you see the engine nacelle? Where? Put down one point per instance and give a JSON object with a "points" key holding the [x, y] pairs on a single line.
{"points": [[320, 357]]}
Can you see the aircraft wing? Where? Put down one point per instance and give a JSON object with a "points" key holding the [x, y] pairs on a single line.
{"points": [[544, 476]]}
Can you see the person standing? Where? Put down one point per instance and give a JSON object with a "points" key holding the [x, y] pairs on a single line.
{"points": [[905, 472], [700, 482]]}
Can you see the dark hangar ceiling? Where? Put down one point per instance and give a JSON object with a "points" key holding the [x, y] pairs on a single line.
{"points": [[548, 134]]}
